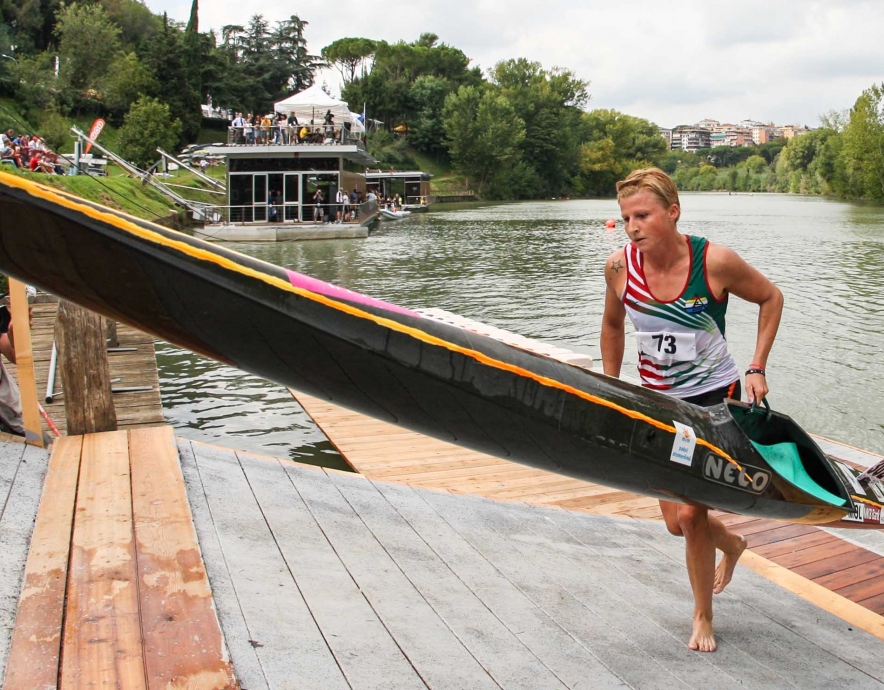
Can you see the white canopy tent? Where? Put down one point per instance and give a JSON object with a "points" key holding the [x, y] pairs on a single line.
{"points": [[311, 104]]}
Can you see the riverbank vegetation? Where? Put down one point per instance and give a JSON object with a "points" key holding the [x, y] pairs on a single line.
{"points": [[515, 130]]}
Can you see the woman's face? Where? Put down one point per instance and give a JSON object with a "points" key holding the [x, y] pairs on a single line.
{"points": [[647, 219]]}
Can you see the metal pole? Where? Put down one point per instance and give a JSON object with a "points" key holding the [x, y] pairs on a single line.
{"points": [[50, 381]]}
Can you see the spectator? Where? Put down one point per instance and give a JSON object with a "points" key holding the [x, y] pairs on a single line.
{"points": [[239, 124], [329, 122], [293, 128], [317, 207], [7, 154]]}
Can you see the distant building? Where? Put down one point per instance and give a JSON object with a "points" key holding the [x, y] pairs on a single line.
{"points": [[691, 138], [667, 135], [792, 131]]}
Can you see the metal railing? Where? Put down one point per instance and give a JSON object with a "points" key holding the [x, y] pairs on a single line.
{"points": [[290, 135], [284, 213]]}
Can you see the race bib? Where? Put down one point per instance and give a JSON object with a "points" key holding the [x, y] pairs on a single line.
{"points": [[667, 347]]}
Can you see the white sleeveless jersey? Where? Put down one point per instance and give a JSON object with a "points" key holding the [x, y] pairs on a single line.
{"points": [[682, 350]]}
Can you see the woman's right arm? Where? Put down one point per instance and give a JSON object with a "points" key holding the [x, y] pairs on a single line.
{"points": [[613, 337]]}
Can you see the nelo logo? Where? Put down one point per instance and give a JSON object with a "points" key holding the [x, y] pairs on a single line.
{"points": [[749, 479]]}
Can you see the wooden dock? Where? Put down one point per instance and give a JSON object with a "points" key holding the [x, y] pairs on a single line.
{"points": [[114, 592], [135, 365], [327, 579], [829, 561]]}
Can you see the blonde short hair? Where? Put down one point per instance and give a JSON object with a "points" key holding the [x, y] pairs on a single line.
{"points": [[652, 180]]}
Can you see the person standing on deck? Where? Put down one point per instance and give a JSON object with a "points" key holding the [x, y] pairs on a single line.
{"points": [[675, 289]]}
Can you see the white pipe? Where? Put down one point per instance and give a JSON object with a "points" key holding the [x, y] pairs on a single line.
{"points": [[50, 381]]}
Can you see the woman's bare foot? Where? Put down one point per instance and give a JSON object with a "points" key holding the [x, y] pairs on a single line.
{"points": [[703, 636], [725, 570]]}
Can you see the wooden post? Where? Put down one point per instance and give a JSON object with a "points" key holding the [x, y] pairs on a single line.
{"points": [[80, 336], [24, 362]]}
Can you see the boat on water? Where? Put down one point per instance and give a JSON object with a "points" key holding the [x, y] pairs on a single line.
{"points": [[392, 214], [421, 372]]}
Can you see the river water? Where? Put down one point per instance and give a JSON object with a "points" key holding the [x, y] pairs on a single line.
{"points": [[536, 269]]}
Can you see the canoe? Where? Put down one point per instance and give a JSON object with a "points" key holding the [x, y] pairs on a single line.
{"points": [[397, 365]]}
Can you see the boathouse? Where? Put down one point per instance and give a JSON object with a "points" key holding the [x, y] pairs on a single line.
{"points": [[275, 169], [413, 186]]}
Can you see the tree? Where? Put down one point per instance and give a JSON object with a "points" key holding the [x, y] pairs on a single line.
{"points": [[167, 59], [128, 79], [349, 55], [148, 125], [755, 164], [549, 102], [483, 135], [427, 131], [87, 42], [863, 147], [616, 144]]}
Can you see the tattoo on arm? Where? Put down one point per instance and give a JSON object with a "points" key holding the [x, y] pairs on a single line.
{"points": [[616, 266]]}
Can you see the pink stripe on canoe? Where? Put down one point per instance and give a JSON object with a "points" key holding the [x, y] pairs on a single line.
{"points": [[320, 287]]}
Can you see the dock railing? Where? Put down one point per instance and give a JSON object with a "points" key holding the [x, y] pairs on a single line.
{"points": [[286, 213], [293, 135]]}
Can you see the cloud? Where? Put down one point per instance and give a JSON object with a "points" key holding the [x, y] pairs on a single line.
{"points": [[672, 63]]}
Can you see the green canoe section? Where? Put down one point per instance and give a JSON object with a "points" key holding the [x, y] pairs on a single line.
{"points": [[784, 458]]}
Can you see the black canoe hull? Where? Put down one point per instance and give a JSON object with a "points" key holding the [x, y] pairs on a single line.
{"points": [[390, 363]]}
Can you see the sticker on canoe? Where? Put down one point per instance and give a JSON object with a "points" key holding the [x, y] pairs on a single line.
{"points": [[863, 512], [849, 476], [683, 445], [751, 479], [875, 486]]}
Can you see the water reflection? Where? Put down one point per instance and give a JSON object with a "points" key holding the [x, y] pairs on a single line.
{"points": [[536, 268]]}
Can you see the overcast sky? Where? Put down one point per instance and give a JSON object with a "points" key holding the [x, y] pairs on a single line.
{"points": [[671, 62]]}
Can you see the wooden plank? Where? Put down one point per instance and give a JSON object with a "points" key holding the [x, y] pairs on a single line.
{"points": [[852, 575], [826, 566], [36, 641], [24, 357], [780, 533], [771, 551], [822, 552], [236, 633], [365, 650], [273, 607], [102, 635], [183, 646]]}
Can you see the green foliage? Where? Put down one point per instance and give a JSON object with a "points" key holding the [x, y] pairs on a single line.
{"points": [[56, 131], [256, 65], [148, 125], [863, 144], [617, 144], [166, 58], [87, 43], [386, 89], [127, 81], [549, 102], [483, 135], [35, 84], [390, 151], [427, 131], [349, 55]]}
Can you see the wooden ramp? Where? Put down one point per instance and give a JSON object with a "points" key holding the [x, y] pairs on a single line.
{"points": [[386, 452], [327, 579], [115, 593]]}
